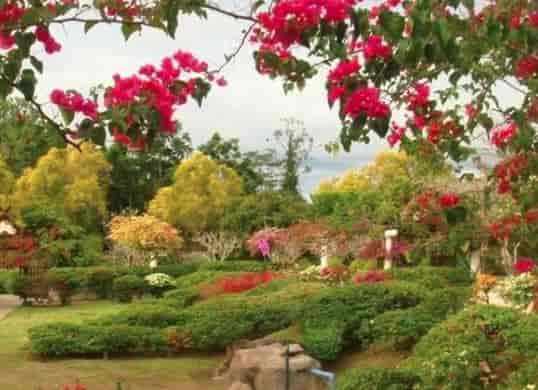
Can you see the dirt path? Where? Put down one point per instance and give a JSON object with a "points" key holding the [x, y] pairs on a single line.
{"points": [[8, 303]]}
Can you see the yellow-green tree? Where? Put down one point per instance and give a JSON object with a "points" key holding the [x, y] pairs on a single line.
{"points": [[7, 182], [387, 167], [73, 181], [202, 188]]}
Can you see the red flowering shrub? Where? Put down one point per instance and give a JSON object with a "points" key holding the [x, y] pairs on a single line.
{"points": [[371, 277], [524, 265], [244, 282], [449, 199], [77, 386]]}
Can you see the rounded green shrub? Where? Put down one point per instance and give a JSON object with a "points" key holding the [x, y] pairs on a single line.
{"points": [[65, 282], [17, 284], [379, 379], [99, 280], [125, 288]]}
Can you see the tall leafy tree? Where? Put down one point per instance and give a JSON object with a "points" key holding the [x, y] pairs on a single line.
{"points": [[294, 145], [24, 135], [197, 198], [75, 182], [254, 167], [137, 176]]}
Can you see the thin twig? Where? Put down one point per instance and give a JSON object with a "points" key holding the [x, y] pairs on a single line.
{"points": [[229, 58]]}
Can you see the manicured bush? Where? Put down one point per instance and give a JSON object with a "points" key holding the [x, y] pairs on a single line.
{"points": [[236, 266], [454, 354], [99, 280], [5, 275], [244, 282], [125, 288], [181, 298], [349, 306], [379, 379], [324, 342], [65, 282], [371, 277], [152, 314], [433, 277], [404, 327], [17, 284], [62, 339]]}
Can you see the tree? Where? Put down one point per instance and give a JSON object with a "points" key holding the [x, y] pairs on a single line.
{"points": [[25, 137], [72, 181], [136, 176], [295, 145], [201, 191], [248, 165], [7, 182]]}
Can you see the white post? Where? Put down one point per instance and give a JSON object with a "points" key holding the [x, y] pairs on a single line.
{"points": [[324, 257], [389, 235]]}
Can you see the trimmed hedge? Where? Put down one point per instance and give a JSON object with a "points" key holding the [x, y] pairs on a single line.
{"points": [[216, 323], [430, 277], [64, 339], [379, 379], [453, 354], [5, 275], [404, 328]]}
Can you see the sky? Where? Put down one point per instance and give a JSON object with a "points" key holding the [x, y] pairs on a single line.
{"points": [[249, 108]]}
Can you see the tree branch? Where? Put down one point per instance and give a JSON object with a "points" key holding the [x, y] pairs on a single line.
{"points": [[231, 14]]}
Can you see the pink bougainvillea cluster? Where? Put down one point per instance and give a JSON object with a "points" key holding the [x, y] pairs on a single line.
{"points": [[502, 135], [161, 89]]}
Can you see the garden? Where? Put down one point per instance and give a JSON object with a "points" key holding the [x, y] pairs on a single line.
{"points": [[133, 259]]}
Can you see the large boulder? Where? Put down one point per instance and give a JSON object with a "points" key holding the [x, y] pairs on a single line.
{"points": [[261, 365]]}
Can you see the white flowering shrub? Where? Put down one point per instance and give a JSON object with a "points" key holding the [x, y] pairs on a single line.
{"points": [[158, 283], [519, 289]]}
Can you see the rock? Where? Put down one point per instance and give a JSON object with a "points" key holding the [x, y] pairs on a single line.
{"points": [[261, 366], [240, 386]]}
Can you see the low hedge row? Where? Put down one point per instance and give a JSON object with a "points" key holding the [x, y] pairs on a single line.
{"points": [[430, 277], [379, 379], [217, 322], [5, 275]]}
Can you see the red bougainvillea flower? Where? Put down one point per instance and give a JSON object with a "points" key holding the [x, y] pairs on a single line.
{"points": [[527, 67], [418, 96], [516, 21], [373, 48], [502, 135], [508, 170], [6, 41], [43, 35], [470, 111], [345, 68], [524, 265], [449, 199], [396, 134], [371, 277], [73, 101], [366, 100], [533, 18], [11, 12]]}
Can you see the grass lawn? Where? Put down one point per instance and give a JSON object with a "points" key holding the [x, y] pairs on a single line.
{"points": [[18, 371]]}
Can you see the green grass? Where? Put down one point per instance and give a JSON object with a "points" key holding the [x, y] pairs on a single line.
{"points": [[20, 371]]}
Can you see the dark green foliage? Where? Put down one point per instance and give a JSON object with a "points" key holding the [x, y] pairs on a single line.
{"points": [[65, 282], [324, 342], [452, 354], [99, 281], [343, 309], [62, 339], [5, 275], [236, 266], [404, 327], [180, 298], [126, 287], [269, 208], [379, 379], [433, 277], [17, 284], [148, 314]]}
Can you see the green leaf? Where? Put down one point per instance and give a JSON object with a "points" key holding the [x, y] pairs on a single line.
{"points": [[27, 83], [171, 13], [67, 116], [392, 24], [128, 29], [88, 25], [24, 42], [98, 135], [456, 215], [380, 126], [202, 89], [5, 89], [37, 64], [443, 31]]}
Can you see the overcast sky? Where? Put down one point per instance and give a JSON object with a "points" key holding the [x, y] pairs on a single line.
{"points": [[249, 108]]}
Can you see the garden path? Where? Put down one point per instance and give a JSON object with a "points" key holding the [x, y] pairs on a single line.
{"points": [[8, 303]]}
